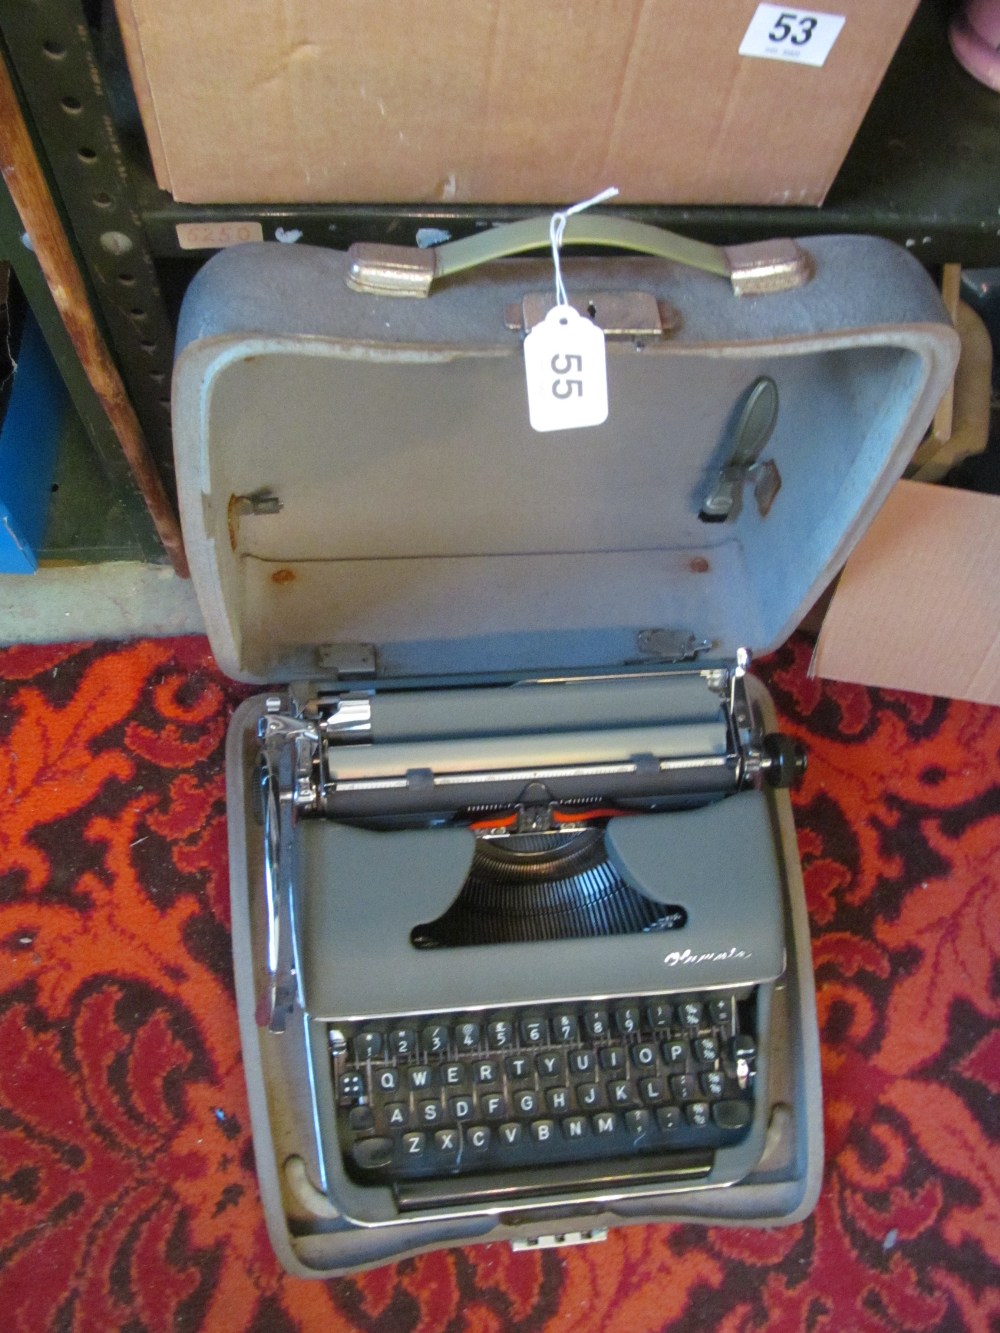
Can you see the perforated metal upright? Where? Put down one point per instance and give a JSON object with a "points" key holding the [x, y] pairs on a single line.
{"points": [[106, 468], [51, 51]]}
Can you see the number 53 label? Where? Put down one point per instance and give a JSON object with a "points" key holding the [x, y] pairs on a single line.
{"points": [[566, 367], [804, 36]]}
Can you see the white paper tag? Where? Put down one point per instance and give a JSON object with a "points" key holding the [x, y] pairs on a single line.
{"points": [[777, 32], [566, 367]]}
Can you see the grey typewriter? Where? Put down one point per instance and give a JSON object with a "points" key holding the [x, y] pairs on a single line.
{"points": [[563, 999], [518, 923]]}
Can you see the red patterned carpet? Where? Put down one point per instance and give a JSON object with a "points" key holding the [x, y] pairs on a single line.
{"points": [[127, 1192]]}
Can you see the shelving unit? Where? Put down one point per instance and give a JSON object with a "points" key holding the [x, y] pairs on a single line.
{"points": [[96, 511], [923, 171]]}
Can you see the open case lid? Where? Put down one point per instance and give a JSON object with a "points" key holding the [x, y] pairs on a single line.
{"points": [[359, 483]]}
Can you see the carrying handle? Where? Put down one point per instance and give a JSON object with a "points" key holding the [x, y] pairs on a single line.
{"points": [[399, 270]]}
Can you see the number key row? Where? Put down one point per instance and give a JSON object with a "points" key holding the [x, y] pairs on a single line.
{"points": [[559, 1026]]}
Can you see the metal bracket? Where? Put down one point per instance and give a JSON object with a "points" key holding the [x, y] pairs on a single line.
{"points": [[280, 733], [390, 270], [751, 432], [764, 267], [619, 314], [288, 747], [561, 1239], [347, 661], [261, 501], [671, 645], [744, 723]]}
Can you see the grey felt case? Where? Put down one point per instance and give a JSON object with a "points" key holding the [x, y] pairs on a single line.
{"points": [[422, 527]]}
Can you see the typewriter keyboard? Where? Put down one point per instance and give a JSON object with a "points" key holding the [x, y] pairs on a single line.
{"points": [[450, 1109]]}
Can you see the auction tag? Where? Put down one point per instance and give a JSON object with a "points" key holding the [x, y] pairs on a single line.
{"points": [[800, 35], [567, 372]]}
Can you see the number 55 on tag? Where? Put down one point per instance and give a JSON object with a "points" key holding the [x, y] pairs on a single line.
{"points": [[566, 367]]}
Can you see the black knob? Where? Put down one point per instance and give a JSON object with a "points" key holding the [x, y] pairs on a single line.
{"points": [[784, 760]]}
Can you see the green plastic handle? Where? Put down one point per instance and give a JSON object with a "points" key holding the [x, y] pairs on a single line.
{"points": [[400, 270], [595, 229]]}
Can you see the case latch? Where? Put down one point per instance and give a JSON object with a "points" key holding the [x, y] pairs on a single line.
{"points": [[561, 1239], [751, 431], [619, 314]]}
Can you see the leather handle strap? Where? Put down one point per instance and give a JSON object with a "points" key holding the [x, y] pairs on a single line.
{"points": [[395, 270]]}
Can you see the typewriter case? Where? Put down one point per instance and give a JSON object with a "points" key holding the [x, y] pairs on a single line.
{"points": [[462, 622]]}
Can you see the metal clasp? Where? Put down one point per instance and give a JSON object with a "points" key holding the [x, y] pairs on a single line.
{"points": [[619, 314], [750, 433]]}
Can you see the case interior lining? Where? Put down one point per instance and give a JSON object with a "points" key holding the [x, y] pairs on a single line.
{"points": [[420, 513]]}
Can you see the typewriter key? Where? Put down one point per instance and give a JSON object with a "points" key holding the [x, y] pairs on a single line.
{"points": [[403, 1042], [467, 1036], [373, 1154], [367, 1045], [434, 1039]]}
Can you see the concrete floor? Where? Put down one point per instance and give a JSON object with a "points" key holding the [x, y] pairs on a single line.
{"points": [[120, 600]]}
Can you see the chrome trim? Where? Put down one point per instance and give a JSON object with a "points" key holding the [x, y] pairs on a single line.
{"points": [[764, 267], [390, 270]]}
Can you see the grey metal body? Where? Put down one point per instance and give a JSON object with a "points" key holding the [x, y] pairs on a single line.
{"points": [[363, 892]]}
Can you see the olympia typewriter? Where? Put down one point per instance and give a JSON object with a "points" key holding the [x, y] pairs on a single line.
{"points": [[518, 923]]}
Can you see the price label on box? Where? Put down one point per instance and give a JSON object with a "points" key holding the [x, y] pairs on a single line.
{"points": [[802, 36]]}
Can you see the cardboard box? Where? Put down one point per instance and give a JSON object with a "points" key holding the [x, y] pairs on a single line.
{"points": [[520, 101], [918, 604]]}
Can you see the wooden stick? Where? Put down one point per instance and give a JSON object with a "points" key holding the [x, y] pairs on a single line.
{"points": [[30, 193]]}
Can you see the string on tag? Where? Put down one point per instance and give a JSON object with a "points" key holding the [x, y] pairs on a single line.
{"points": [[556, 228]]}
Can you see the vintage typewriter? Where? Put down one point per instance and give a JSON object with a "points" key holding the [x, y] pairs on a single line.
{"points": [[548, 987], [518, 923]]}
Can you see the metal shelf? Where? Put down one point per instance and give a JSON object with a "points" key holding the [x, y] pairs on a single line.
{"points": [[922, 171]]}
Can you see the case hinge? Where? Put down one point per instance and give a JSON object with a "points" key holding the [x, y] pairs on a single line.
{"points": [[670, 645], [347, 661]]}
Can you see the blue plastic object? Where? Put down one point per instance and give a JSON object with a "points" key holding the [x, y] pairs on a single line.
{"points": [[29, 436]]}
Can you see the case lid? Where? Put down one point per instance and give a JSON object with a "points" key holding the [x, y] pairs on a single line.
{"points": [[360, 487]]}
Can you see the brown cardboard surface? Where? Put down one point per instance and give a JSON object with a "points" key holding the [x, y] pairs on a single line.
{"points": [[918, 604], [499, 101]]}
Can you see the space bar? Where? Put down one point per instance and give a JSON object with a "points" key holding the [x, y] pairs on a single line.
{"points": [[593, 1177]]}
